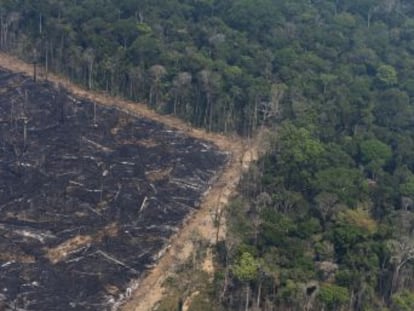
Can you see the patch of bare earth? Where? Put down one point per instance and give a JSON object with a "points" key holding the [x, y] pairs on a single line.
{"points": [[149, 290]]}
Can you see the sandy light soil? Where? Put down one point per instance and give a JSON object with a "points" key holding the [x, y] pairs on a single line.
{"points": [[147, 291]]}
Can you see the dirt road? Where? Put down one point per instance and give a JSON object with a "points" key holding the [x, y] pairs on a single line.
{"points": [[146, 292]]}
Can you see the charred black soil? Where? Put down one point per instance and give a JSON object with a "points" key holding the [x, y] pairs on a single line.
{"points": [[89, 196]]}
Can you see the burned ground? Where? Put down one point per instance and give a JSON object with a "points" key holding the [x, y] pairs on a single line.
{"points": [[89, 196]]}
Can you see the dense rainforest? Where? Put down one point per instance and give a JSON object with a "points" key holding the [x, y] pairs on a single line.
{"points": [[324, 220]]}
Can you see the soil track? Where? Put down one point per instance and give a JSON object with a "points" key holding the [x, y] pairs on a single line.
{"points": [[147, 291], [150, 290]]}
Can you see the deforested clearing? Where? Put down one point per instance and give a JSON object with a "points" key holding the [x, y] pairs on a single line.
{"points": [[89, 195]]}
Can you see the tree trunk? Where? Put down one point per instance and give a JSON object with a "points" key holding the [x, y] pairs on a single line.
{"points": [[395, 277], [46, 59], [259, 294], [246, 308], [151, 96], [40, 23], [175, 105], [210, 107], [225, 283], [90, 75]]}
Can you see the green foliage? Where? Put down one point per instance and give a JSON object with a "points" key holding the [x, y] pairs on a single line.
{"points": [[246, 267], [298, 145], [289, 291], [347, 184], [373, 150], [359, 218], [276, 225], [387, 75], [333, 296], [407, 182], [299, 153], [308, 228], [144, 28], [407, 188], [352, 227], [403, 301]]}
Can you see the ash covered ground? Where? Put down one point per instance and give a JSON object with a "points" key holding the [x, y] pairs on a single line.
{"points": [[89, 196]]}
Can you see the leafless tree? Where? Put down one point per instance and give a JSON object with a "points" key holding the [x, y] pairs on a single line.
{"points": [[181, 85], [157, 72], [402, 252], [6, 21], [89, 57], [271, 109], [209, 83]]}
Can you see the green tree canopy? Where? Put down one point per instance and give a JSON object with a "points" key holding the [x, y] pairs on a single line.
{"points": [[333, 296], [374, 150], [387, 75], [246, 267]]}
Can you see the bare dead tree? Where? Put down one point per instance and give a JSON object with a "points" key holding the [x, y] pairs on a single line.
{"points": [[181, 84], [6, 21], [157, 72], [89, 57], [402, 253]]}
